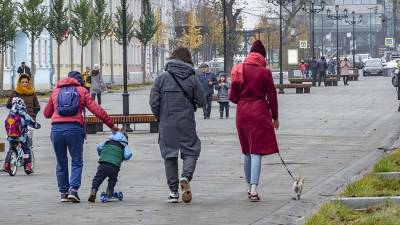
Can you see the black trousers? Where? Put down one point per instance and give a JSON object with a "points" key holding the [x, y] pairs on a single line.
{"points": [[345, 80], [207, 107], [98, 97], [105, 170], [224, 106], [25, 147], [322, 77], [314, 78]]}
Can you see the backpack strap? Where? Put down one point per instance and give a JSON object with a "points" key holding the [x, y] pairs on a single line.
{"points": [[191, 100]]}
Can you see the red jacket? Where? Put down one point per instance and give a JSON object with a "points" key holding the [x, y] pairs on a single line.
{"points": [[85, 101], [253, 91]]}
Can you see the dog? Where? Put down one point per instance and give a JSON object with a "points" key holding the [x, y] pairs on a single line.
{"points": [[298, 187]]}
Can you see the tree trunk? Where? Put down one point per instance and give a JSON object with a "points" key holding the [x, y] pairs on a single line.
{"points": [[58, 62], [33, 66], [1, 69], [72, 53], [158, 61], [81, 59], [144, 63], [395, 21], [101, 57]]}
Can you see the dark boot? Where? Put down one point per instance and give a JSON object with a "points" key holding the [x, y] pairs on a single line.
{"points": [[92, 197], [221, 115]]}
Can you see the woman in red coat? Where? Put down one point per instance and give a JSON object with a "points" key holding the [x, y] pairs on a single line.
{"points": [[254, 93]]}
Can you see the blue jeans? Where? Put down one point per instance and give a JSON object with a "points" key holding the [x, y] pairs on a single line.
{"points": [[252, 168], [68, 137]]}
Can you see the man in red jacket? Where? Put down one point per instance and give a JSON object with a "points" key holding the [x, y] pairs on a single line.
{"points": [[67, 132]]}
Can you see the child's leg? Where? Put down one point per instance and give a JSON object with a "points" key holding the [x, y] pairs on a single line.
{"points": [[112, 179], [99, 177], [227, 109], [27, 150], [171, 171]]}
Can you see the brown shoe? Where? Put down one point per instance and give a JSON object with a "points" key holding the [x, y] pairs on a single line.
{"points": [[254, 197], [186, 191]]}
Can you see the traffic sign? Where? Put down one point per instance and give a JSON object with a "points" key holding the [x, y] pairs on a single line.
{"points": [[303, 44], [389, 42]]}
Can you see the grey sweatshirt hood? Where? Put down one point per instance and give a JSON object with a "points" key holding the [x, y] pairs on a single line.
{"points": [[179, 68]]}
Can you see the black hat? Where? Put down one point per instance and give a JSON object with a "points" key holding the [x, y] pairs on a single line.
{"points": [[77, 76]]}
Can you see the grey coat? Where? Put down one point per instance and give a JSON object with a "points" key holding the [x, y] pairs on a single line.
{"points": [[98, 85], [223, 92], [175, 112]]}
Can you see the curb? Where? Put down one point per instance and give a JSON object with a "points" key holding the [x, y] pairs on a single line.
{"points": [[362, 203]]}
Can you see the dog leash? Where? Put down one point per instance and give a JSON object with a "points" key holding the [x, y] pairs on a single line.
{"points": [[283, 162]]}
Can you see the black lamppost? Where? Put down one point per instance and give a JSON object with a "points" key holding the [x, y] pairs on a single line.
{"points": [[281, 3], [312, 11], [375, 8], [225, 36], [125, 94], [353, 21], [337, 17]]}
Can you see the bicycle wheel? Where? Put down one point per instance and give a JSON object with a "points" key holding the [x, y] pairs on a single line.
{"points": [[13, 163]]}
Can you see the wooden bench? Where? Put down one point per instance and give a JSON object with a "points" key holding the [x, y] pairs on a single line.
{"points": [[299, 80], [331, 81], [352, 77], [2, 147], [300, 88], [94, 124]]}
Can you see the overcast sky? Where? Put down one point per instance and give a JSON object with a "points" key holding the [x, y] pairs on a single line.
{"points": [[253, 7]]}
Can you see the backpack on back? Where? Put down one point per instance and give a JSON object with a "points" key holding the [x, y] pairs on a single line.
{"points": [[68, 101], [14, 126]]}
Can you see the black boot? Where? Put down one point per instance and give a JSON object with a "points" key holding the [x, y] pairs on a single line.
{"points": [[221, 115], [92, 197]]}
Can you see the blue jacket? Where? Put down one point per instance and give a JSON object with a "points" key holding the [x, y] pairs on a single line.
{"points": [[117, 136], [204, 78], [26, 122]]}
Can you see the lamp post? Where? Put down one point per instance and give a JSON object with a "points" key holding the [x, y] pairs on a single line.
{"points": [[337, 17], [125, 94], [225, 36], [353, 21], [375, 8], [322, 34], [280, 3], [312, 11]]}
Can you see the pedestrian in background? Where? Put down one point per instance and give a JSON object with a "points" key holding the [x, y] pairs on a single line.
{"points": [[208, 81], [87, 79], [314, 70], [97, 84], [344, 71], [303, 68], [24, 69], [173, 100], [67, 131], [322, 67], [223, 87], [254, 93]]}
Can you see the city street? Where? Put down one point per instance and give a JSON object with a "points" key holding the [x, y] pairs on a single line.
{"points": [[321, 135]]}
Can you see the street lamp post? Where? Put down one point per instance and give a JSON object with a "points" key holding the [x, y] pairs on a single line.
{"points": [[225, 35], [312, 11], [281, 3], [125, 94], [354, 21], [375, 8], [337, 17]]}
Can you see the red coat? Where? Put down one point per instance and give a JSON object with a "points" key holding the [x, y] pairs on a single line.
{"points": [[85, 101], [254, 93]]}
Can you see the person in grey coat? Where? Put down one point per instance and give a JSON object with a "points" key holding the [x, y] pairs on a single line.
{"points": [[97, 84], [208, 81], [223, 87], [175, 113]]}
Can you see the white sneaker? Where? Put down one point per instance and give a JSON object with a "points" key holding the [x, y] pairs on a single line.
{"points": [[173, 197]]}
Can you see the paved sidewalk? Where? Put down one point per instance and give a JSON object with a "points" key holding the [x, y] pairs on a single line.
{"points": [[321, 134]]}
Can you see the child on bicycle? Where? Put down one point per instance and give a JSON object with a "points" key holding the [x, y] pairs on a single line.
{"points": [[16, 124], [112, 152], [223, 87]]}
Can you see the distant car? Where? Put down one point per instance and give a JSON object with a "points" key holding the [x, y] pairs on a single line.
{"points": [[360, 60], [373, 67]]}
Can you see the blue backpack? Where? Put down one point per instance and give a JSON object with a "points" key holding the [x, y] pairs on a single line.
{"points": [[68, 101]]}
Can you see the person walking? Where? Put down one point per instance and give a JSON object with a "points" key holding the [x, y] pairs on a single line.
{"points": [[303, 68], [87, 79], [208, 81], [97, 84], [314, 70], [223, 93], [322, 67], [345, 65], [24, 69], [253, 91], [65, 106], [173, 100]]}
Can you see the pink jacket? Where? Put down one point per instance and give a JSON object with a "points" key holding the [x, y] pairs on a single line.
{"points": [[85, 101]]}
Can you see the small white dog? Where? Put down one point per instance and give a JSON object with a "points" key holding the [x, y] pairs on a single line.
{"points": [[298, 187]]}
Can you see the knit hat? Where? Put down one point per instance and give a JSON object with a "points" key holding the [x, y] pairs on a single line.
{"points": [[77, 76], [259, 48], [203, 65]]}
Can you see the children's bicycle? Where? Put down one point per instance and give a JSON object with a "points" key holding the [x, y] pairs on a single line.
{"points": [[16, 155]]}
